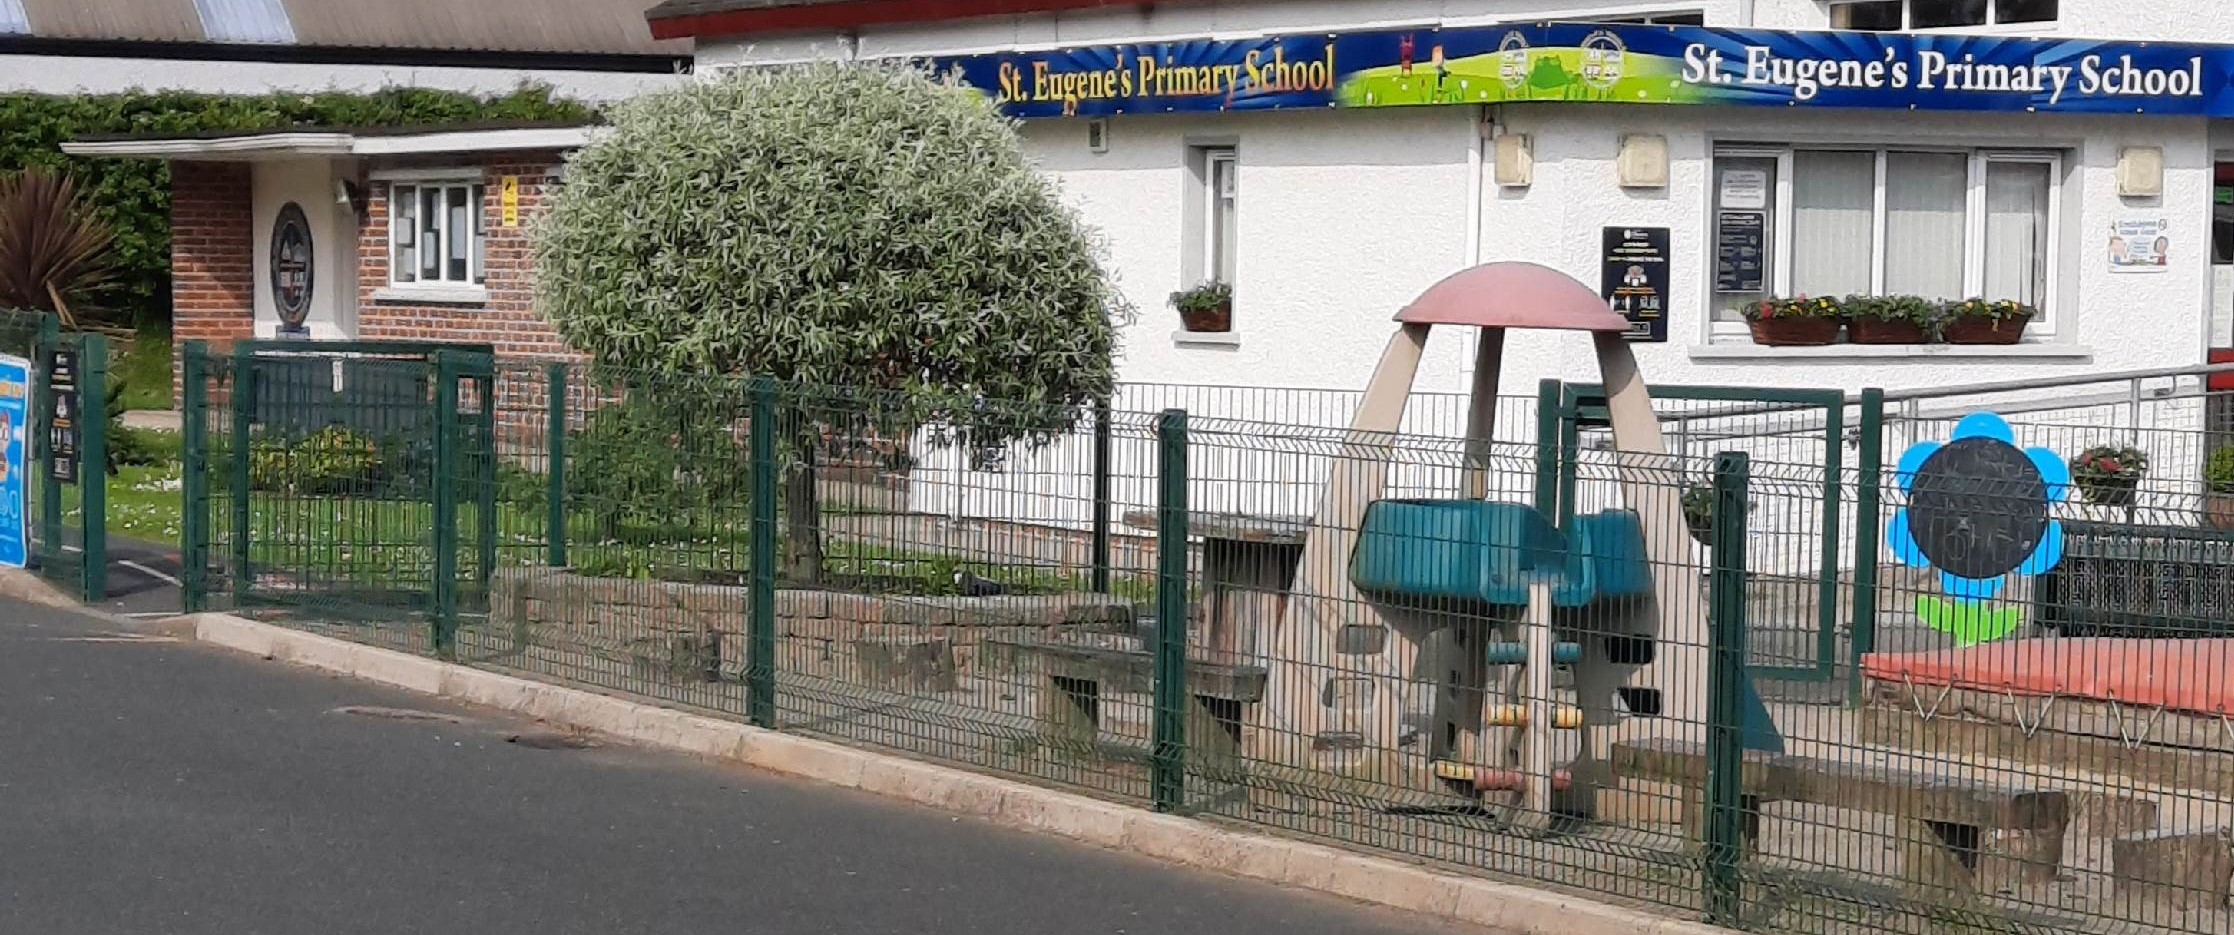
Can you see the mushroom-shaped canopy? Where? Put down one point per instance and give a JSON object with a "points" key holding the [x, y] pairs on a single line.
{"points": [[1513, 295]]}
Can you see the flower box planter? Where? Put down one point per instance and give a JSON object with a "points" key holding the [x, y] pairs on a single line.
{"points": [[1795, 331], [1215, 320], [1884, 331], [2111, 491], [2218, 510], [1978, 329]]}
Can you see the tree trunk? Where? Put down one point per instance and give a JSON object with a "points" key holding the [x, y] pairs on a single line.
{"points": [[802, 505]]}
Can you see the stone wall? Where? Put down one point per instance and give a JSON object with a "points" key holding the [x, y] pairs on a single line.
{"points": [[663, 628]]}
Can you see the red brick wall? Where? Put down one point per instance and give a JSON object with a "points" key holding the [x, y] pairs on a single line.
{"points": [[507, 319], [212, 255]]}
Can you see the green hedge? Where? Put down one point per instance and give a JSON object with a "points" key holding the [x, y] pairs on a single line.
{"points": [[135, 193]]}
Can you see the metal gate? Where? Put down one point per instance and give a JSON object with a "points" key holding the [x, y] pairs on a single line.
{"points": [[1801, 492], [352, 476]]}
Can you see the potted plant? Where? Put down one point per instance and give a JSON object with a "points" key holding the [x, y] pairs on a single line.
{"points": [[1698, 512], [1207, 308], [2218, 488], [1890, 319], [2110, 474], [1794, 322], [1980, 321]]}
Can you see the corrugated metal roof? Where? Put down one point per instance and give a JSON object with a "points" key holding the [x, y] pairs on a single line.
{"points": [[145, 20], [602, 27], [245, 21]]}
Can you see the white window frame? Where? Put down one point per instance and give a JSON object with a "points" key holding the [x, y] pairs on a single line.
{"points": [[1991, 25], [1974, 221], [406, 283], [1213, 159]]}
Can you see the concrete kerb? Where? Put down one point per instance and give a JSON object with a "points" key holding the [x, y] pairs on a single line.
{"points": [[1498, 906]]}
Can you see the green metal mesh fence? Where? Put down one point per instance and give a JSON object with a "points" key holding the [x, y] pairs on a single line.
{"points": [[1828, 665]]}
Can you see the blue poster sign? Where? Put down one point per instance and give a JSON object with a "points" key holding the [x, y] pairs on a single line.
{"points": [[1609, 63], [15, 424]]}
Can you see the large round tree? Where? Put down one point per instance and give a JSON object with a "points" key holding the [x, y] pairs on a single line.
{"points": [[871, 236]]}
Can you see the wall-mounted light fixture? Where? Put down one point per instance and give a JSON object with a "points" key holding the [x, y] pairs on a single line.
{"points": [[2141, 172], [1643, 162], [1516, 160]]}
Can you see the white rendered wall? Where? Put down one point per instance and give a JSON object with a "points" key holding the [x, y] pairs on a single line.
{"points": [[308, 183], [60, 74]]}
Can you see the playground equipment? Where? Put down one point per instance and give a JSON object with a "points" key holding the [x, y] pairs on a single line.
{"points": [[1614, 597]]}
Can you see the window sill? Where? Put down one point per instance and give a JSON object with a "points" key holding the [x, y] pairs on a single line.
{"points": [[432, 295], [1745, 350], [1184, 338]]}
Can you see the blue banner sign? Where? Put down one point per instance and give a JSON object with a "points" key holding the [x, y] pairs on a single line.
{"points": [[1631, 64], [15, 426]]}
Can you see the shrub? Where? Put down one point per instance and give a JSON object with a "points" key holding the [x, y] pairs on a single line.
{"points": [[330, 461], [864, 226], [2218, 472]]}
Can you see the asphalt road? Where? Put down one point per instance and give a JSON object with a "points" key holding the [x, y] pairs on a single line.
{"points": [[149, 786]]}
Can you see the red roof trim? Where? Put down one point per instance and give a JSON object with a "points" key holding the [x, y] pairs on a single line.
{"points": [[856, 13]]}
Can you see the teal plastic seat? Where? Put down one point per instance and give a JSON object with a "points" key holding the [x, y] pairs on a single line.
{"points": [[1490, 552]]}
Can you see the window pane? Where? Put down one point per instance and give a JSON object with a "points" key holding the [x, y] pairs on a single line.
{"points": [[1744, 232], [1925, 199], [460, 237], [1879, 15], [403, 225], [2024, 11], [480, 236], [1834, 200], [2017, 231], [1225, 212], [1935, 14], [1678, 19], [430, 233]]}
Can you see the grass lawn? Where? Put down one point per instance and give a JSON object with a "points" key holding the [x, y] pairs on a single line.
{"points": [[388, 543], [145, 369]]}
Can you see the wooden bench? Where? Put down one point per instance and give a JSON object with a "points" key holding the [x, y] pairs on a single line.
{"points": [[1076, 676], [1984, 834]]}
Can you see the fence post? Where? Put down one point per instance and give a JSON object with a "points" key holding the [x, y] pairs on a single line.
{"points": [[555, 455], [93, 464], [194, 479], [1101, 497], [1726, 651], [1548, 393], [445, 488], [244, 414], [486, 527], [1169, 774], [50, 489], [1868, 502], [760, 627]]}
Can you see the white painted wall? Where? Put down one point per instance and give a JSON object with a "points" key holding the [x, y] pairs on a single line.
{"points": [[57, 74], [1347, 215], [333, 289]]}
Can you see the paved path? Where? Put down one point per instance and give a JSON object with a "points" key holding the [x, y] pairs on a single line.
{"points": [[155, 786]]}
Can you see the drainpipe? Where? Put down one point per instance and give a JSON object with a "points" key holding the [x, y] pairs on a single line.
{"points": [[1484, 125], [1745, 13]]}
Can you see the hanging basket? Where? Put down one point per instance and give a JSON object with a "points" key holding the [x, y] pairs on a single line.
{"points": [[1884, 331], [1795, 332], [2110, 491], [1978, 329]]}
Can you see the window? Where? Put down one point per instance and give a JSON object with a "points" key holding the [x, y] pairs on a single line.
{"points": [[1221, 213], [1894, 15], [1942, 224], [435, 233]]}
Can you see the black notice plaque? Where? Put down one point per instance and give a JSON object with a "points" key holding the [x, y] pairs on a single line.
{"points": [[62, 429], [1740, 247], [1634, 280]]}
